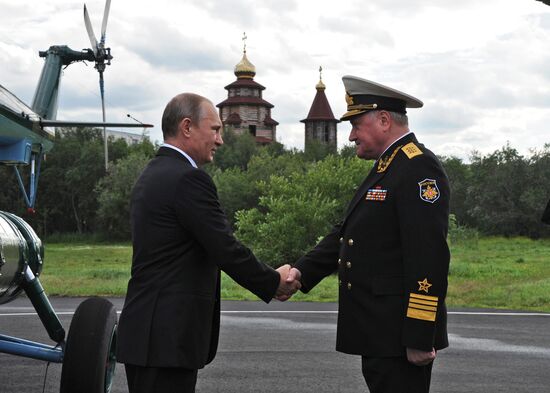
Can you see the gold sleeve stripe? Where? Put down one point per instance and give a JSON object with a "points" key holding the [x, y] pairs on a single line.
{"points": [[424, 297], [427, 302], [421, 307], [421, 314]]}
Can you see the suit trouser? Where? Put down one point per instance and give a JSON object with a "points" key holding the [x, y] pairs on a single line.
{"points": [[160, 379], [396, 375]]}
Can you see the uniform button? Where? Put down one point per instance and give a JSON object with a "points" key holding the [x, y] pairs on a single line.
{"points": [[349, 285], [341, 240], [348, 264], [339, 261], [350, 242]]}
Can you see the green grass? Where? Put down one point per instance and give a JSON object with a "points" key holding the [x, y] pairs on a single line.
{"points": [[492, 272], [79, 269], [501, 273]]}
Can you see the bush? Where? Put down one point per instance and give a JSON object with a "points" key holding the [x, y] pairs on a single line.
{"points": [[295, 210], [461, 235]]}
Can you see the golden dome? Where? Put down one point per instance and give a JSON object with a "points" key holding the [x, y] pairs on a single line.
{"points": [[245, 69], [320, 85]]}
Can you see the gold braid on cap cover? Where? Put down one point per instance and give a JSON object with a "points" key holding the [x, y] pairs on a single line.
{"points": [[362, 106], [352, 106]]}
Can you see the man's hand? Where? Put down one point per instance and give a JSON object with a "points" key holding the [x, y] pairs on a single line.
{"points": [[420, 358], [294, 275], [289, 283]]}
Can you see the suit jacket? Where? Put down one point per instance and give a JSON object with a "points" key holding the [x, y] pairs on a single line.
{"points": [[181, 240], [546, 215], [391, 255]]}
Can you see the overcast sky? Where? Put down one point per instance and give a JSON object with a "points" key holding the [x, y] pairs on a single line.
{"points": [[482, 68]]}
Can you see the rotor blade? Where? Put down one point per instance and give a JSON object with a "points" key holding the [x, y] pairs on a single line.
{"points": [[102, 92], [90, 30], [105, 140], [62, 123], [105, 17]]}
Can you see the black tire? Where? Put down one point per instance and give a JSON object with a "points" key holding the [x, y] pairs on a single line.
{"points": [[89, 360]]}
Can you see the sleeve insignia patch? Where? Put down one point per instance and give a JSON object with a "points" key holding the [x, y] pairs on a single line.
{"points": [[423, 315], [422, 307], [411, 150], [428, 190], [376, 194], [424, 285]]}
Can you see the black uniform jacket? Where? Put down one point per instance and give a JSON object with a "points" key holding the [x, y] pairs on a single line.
{"points": [[181, 240], [391, 255]]}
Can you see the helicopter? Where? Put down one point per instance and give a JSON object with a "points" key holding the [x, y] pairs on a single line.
{"points": [[87, 352]]}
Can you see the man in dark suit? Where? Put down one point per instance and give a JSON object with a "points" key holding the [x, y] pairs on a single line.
{"points": [[169, 325], [546, 215], [390, 249]]}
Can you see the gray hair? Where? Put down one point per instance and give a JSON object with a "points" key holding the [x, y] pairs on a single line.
{"points": [[181, 106], [400, 119]]}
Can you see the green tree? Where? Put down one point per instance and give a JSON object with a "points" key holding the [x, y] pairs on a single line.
{"points": [[316, 150], [11, 198], [114, 191], [459, 178], [240, 189], [504, 196], [348, 151], [236, 150], [145, 147], [236, 190], [274, 149], [296, 210], [537, 193], [66, 201]]}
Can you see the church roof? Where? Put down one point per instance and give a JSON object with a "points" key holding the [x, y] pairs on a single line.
{"points": [[320, 108], [245, 82], [240, 100], [268, 121]]}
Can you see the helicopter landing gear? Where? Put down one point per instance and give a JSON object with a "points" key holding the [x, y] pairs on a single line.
{"points": [[89, 361]]}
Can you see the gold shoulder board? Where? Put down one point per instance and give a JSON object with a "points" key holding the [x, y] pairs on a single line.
{"points": [[411, 150]]}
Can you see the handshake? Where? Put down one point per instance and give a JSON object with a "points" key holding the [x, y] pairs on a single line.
{"points": [[289, 282]]}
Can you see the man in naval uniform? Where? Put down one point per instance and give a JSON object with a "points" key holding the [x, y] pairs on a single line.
{"points": [[390, 249]]}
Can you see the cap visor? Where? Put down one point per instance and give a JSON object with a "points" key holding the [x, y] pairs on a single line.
{"points": [[349, 114]]}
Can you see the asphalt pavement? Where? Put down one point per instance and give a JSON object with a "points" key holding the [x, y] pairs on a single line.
{"points": [[289, 347]]}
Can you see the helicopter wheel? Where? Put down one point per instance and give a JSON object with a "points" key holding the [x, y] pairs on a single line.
{"points": [[89, 360]]}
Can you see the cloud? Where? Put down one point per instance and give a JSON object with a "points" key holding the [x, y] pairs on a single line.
{"points": [[442, 117], [249, 13], [480, 67], [240, 12], [173, 49]]}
